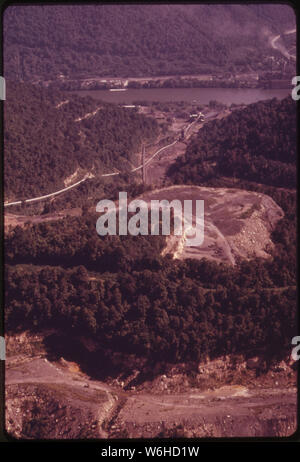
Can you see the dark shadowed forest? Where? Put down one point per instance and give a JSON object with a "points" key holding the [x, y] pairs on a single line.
{"points": [[138, 40]]}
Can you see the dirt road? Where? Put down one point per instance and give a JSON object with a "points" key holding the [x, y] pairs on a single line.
{"points": [[230, 410], [280, 47]]}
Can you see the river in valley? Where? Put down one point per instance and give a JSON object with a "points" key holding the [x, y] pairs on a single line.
{"points": [[197, 95]]}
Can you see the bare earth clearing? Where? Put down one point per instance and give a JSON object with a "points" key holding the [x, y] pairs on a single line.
{"points": [[46, 399], [237, 223]]}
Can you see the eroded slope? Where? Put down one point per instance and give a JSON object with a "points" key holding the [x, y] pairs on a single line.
{"points": [[237, 223]]}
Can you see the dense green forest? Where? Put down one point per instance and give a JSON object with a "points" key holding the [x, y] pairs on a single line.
{"points": [[42, 42], [120, 291], [257, 144], [163, 314], [163, 310], [44, 144]]}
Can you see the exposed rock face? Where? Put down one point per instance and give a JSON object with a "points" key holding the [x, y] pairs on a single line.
{"points": [[41, 412], [252, 423], [237, 223], [227, 396], [56, 411], [255, 363]]}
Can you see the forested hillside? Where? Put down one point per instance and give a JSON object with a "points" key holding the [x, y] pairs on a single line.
{"points": [[162, 314], [45, 142], [41, 42], [257, 144], [122, 293], [129, 299]]}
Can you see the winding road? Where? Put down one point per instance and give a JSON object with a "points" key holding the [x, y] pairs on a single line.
{"points": [[89, 175], [280, 47]]}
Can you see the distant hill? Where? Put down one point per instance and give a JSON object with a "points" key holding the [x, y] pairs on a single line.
{"points": [[256, 144], [41, 42], [46, 143]]}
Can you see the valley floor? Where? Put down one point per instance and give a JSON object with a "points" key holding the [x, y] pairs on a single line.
{"points": [[55, 399]]}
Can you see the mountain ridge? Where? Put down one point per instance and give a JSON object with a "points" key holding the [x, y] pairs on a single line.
{"points": [[122, 40]]}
